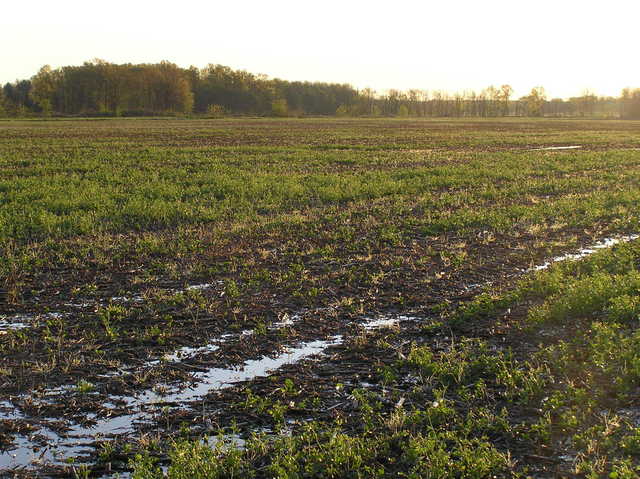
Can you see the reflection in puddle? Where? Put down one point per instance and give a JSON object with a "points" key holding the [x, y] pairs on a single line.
{"points": [[219, 378], [187, 352], [551, 148], [200, 287], [39, 448], [630, 414], [138, 298], [127, 299], [382, 322], [18, 321], [287, 320], [9, 412], [49, 447]]}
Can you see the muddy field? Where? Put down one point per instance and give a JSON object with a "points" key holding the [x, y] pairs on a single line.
{"points": [[319, 298]]}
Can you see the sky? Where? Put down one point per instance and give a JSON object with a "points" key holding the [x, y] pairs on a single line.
{"points": [[565, 46]]}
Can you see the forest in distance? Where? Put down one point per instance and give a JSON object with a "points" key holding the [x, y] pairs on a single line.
{"points": [[99, 88]]}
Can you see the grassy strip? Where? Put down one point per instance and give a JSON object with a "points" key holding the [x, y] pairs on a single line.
{"points": [[102, 193], [89, 178]]}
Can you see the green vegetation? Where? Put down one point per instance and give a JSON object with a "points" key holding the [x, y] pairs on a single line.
{"points": [[63, 184], [124, 241]]}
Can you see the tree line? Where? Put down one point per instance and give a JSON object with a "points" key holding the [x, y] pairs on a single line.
{"points": [[101, 88]]}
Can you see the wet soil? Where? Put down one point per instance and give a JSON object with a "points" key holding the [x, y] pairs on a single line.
{"points": [[92, 390]]}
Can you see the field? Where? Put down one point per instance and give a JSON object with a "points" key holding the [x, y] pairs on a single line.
{"points": [[301, 298]]}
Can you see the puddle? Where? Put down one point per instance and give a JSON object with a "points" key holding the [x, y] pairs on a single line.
{"points": [[55, 315], [200, 287], [82, 305], [630, 414], [138, 298], [189, 352], [552, 148], [226, 441], [606, 243], [23, 321], [219, 378], [475, 286], [26, 451], [184, 353], [9, 412], [127, 299], [18, 321], [107, 427], [43, 447], [382, 322], [286, 320]]}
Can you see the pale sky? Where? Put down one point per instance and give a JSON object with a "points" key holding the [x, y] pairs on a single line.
{"points": [[565, 46]]}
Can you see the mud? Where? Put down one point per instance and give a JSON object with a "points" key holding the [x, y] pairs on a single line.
{"points": [[46, 447], [43, 428]]}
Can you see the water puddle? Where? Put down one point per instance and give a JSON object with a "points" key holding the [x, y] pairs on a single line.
{"points": [[553, 148], [201, 287], [138, 298], [27, 451], [18, 321], [46, 446], [23, 321], [82, 305], [187, 352], [606, 243], [629, 414], [127, 299], [219, 378], [9, 412], [38, 449], [49, 447], [386, 322], [286, 320]]}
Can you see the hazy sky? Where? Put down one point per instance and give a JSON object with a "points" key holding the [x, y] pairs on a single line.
{"points": [[565, 46]]}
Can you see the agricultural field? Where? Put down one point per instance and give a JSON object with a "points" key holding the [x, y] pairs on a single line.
{"points": [[311, 298]]}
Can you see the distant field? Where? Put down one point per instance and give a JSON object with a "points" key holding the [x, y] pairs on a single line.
{"points": [[122, 241], [68, 178]]}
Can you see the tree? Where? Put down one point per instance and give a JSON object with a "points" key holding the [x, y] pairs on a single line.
{"points": [[630, 104], [17, 97], [366, 102], [505, 94], [343, 110], [535, 101], [585, 104], [279, 107], [558, 107], [216, 111], [44, 86]]}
